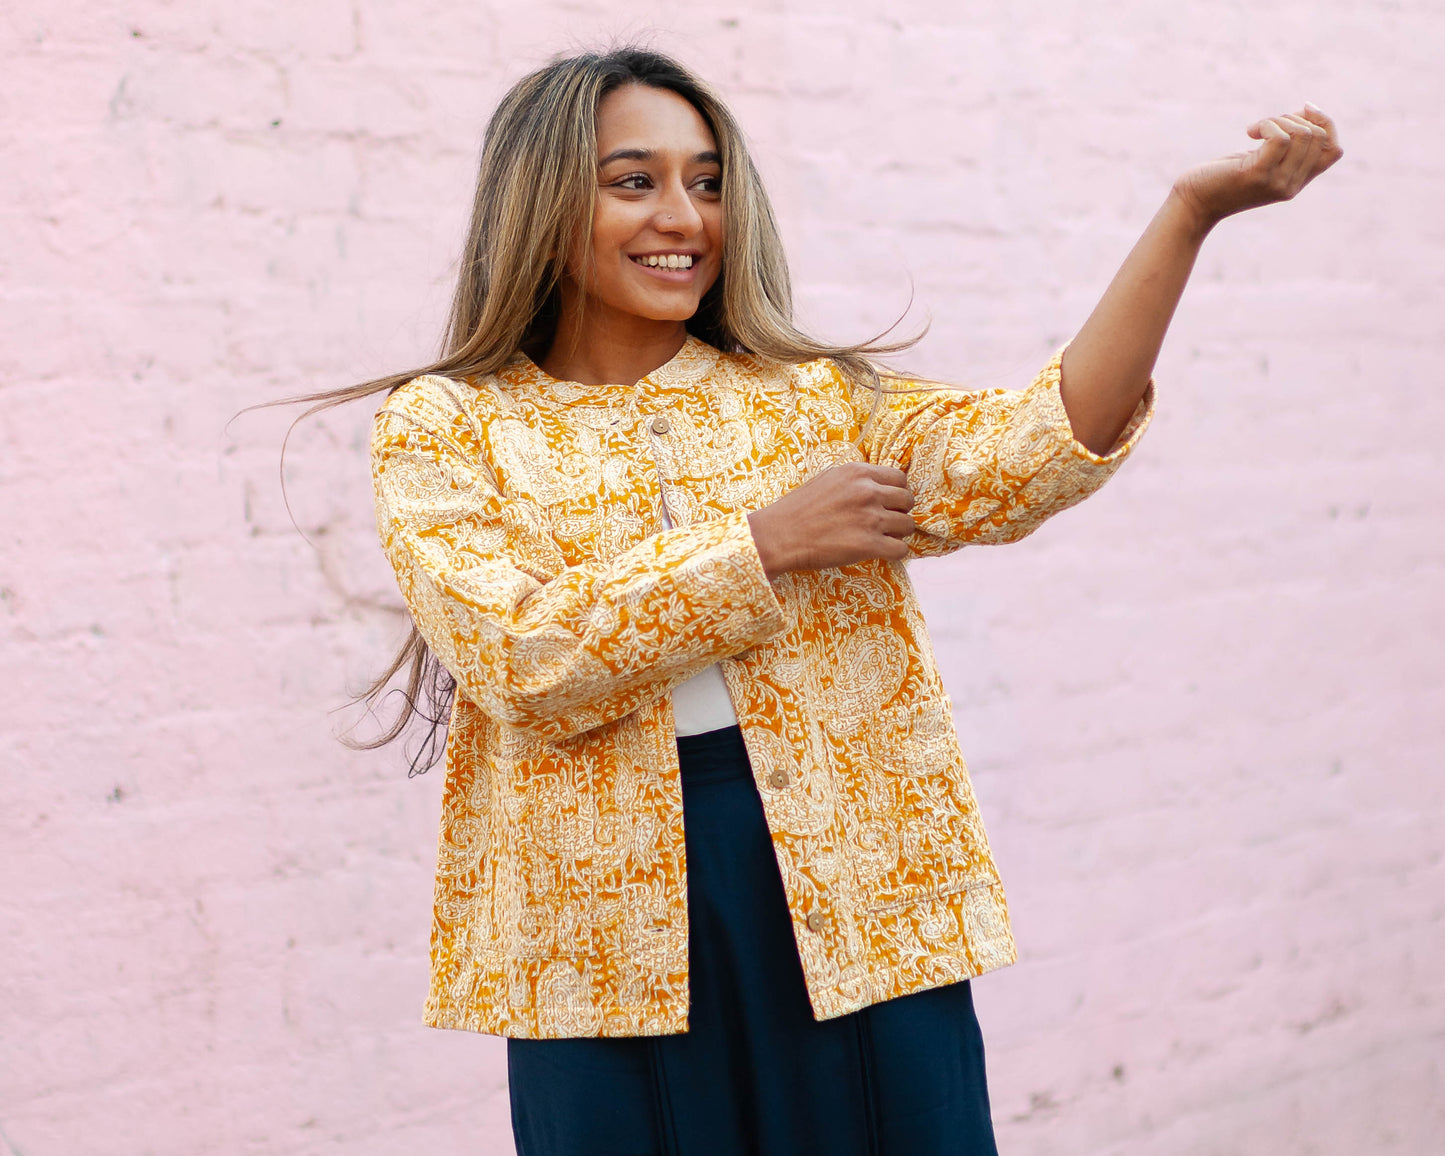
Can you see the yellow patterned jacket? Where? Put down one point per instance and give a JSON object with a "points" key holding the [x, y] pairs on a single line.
{"points": [[523, 516]]}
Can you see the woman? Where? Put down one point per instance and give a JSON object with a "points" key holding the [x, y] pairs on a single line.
{"points": [[709, 853]]}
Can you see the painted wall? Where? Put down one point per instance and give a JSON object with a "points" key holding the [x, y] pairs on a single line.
{"points": [[1205, 710]]}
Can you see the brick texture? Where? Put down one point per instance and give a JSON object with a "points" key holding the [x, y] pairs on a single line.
{"points": [[1221, 824]]}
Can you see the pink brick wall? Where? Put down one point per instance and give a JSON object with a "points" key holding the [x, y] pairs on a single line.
{"points": [[1205, 711]]}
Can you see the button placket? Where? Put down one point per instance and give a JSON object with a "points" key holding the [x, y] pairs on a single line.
{"points": [[660, 426]]}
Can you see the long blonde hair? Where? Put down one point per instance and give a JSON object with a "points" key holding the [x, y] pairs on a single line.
{"points": [[536, 188]]}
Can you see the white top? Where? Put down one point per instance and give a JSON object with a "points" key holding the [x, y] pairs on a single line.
{"points": [[702, 703]]}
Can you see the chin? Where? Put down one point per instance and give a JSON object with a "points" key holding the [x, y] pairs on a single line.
{"points": [[666, 310]]}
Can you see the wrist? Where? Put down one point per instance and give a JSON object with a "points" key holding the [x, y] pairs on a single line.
{"points": [[1188, 215], [766, 543]]}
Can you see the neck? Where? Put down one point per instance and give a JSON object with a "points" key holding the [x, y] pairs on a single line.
{"points": [[598, 345]]}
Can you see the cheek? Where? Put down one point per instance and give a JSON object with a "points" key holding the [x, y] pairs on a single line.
{"points": [[612, 229], [595, 249], [717, 237], [714, 223]]}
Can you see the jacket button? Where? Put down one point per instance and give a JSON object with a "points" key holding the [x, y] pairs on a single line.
{"points": [[660, 425], [815, 921], [778, 779]]}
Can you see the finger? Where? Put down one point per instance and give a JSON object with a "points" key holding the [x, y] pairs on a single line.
{"points": [[1317, 158], [1308, 142], [1302, 128], [1316, 115], [1332, 151], [891, 550], [888, 475], [1276, 139], [896, 498], [1273, 150], [1301, 125], [1266, 129], [897, 525]]}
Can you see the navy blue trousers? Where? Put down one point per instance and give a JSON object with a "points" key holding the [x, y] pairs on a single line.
{"points": [[755, 1074]]}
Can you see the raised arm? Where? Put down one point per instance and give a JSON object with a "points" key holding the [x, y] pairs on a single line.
{"points": [[1108, 365]]}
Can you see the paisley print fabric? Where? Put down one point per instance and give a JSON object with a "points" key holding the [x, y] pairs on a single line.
{"points": [[524, 518]]}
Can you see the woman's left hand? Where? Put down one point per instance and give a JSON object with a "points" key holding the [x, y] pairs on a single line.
{"points": [[1297, 147]]}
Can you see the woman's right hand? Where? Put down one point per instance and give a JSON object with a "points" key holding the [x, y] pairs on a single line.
{"points": [[848, 513]]}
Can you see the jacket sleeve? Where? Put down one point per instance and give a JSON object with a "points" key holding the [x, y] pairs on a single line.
{"points": [[545, 648], [987, 466]]}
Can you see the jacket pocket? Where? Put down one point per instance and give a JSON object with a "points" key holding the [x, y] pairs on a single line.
{"points": [[915, 832], [964, 929], [916, 739]]}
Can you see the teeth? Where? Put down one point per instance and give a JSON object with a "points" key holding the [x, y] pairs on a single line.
{"points": [[668, 261]]}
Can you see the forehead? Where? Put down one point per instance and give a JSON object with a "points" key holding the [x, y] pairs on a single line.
{"points": [[638, 116]]}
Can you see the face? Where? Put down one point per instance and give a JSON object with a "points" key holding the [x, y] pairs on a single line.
{"points": [[657, 227]]}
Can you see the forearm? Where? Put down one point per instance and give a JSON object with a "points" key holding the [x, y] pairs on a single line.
{"points": [[600, 639], [1107, 367]]}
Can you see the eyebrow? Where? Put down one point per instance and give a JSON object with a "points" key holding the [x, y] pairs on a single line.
{"points": [[703, 158]]}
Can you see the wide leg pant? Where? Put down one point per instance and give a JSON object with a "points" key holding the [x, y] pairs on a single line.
{"points": [[755, 1074]]}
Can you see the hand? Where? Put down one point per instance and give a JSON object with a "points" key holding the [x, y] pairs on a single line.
{"points": [[1297, 148], [848, 513]]}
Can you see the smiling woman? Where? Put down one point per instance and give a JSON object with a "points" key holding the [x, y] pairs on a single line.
{"points": [[657, 239], [709, 855]]}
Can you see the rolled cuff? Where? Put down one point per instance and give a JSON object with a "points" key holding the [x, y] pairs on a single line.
{"points": [[1052, 403]]}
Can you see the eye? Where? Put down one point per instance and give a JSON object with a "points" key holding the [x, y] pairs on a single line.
{"points": [[633, 181], [712, 183]]}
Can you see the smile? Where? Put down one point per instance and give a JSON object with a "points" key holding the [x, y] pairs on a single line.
{"points": [[666, 260]]}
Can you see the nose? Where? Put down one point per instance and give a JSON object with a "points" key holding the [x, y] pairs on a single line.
{"points": [[675, 211]]}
